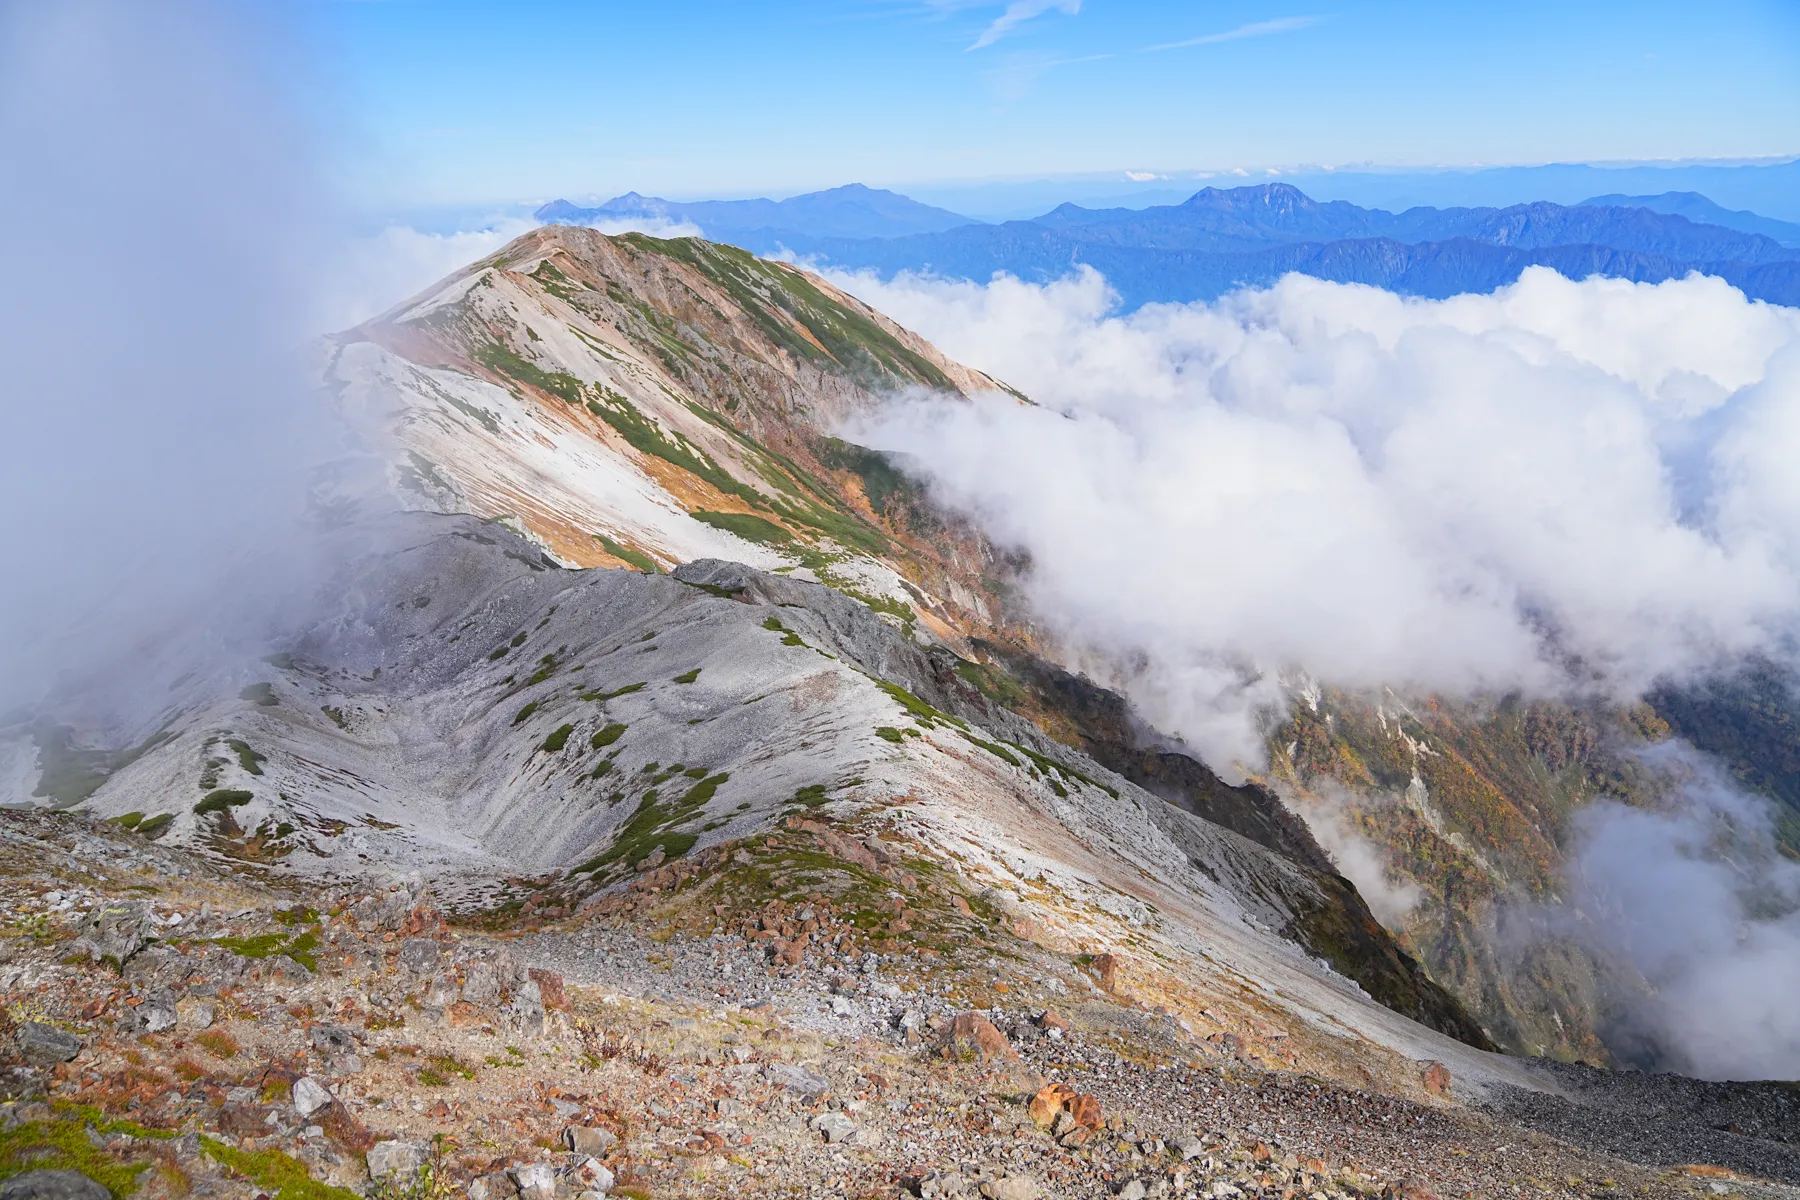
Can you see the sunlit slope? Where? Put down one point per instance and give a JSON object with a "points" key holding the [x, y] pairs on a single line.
{"points": [[630, 401]]}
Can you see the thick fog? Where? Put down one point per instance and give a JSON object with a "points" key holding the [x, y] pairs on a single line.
{"points": [[157, 218], [1559, 485], [1699, 903]]}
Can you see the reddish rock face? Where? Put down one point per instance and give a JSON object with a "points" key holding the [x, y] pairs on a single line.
{"points": [[550, 988], [1437, 1079], [1106, 968], [1050, 1101], [974, 1036], [1086, 1111]]}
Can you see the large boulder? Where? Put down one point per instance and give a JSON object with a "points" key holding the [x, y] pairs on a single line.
{"points": [[114, 931], [525, 1012], [420, 956], [52, 1185], [44, 1045], [589, 1139], [796, 1078], [396, 1160], [481, 983], [309, 1096], [972, 1035]]}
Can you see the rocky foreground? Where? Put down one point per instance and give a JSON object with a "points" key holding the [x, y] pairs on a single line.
{"points": [[178, 1026]]}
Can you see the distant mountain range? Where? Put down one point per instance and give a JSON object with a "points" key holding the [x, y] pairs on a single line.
{"points": [[852, 211], [1219, 239], [1698, 208], [1769, 188]]}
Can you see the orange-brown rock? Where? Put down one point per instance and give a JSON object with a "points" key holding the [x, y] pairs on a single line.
{"points": [[344, 1130], [1437, 1079], [1049, 1102], [1106, 969], [972, 1035], [550, 987], [1086, 1111], [789, 953]]}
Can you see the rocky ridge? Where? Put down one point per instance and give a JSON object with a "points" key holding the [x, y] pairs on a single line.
{"points": [[236, 1038]]}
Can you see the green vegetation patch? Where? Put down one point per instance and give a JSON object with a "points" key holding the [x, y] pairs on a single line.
{"points": [[247, 758], [221, 799], [882, 482], [782, 302], [130, 820], [921, 712], [559, 737], [745, 525], [616, 693], [524, 714], [502, 361], [811, 796], [647, 437], [998, 751], [281, 1176], [153, 827], [654, 824], [688, 676], [791, 639], [890, 733], [62, 1144], [302, 947], [626, 554], [811, 502], [1051, 768], [606, 735], [994, 683]]}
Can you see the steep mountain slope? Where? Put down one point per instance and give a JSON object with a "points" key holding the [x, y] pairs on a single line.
{"points": [[462, 707], [467, 706], [852, 211], [1473, 808], [632, 401]]}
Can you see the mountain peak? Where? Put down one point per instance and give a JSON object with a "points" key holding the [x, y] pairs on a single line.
{"points": [[1284, 197]]}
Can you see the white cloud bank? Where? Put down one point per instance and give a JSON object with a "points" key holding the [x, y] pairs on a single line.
{"points": [[1699, 903], [1561, 482]]}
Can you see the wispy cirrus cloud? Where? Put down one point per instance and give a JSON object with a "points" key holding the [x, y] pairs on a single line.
{"points": [[1253, 29], [1019, 12]]}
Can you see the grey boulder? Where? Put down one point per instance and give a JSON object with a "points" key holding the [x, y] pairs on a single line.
{"points": [[45, 1045], [835, 1126], [52, 1185], [589, 1139], [309, 1096], [419, 956], [796, 1079], [389, 1159], [114, 931]]}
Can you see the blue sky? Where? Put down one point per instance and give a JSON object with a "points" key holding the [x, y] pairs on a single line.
{"points": [[453, 101]]}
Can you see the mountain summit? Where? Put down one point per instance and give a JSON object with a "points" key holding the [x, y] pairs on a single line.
{"points": [[851, 211]]}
